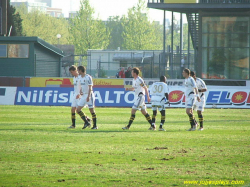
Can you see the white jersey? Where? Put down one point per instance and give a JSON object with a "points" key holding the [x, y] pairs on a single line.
{"points": [[138, 85], [190, 85], [201, 85], [158, 89], [77, 86], [85, 82]]}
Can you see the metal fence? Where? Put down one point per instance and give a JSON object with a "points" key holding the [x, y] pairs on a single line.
{"points": [[107, 64]]}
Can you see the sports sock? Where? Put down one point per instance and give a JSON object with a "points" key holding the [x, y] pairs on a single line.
{"points": [[163, 117], [191, 120], [154, 115], [82, 115], [94, 119], [131, 120], [147, 116], [73, 119], [201, 120]]}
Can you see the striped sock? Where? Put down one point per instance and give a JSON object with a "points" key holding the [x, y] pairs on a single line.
{"points": [[73, 119], [82, 115], [131, 120]]}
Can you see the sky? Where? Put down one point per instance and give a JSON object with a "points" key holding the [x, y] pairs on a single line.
{"points": [[106, 8]]}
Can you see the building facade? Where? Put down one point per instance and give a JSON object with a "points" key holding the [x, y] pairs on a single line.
{"points": [[220, 35], [29, 56]]}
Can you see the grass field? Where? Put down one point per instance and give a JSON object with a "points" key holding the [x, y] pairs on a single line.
{"points": [[37, 149]]}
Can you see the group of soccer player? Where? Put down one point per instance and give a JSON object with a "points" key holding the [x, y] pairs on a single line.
{"points": [[194, 98]]}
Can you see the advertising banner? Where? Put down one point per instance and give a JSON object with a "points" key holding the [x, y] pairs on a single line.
{"points": [[216, 97], [115, 97], [50, 82], [68, 82], [7, 95]]}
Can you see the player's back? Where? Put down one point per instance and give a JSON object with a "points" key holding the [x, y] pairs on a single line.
{"points": [[158, 89]]}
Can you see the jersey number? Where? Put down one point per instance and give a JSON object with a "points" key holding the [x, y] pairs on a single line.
{"points": [[158, 88]]}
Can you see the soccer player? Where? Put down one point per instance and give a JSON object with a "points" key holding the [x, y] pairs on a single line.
{"points": [[140, 89], [73, 71], [191, 94], [199, 106], [159, 92], [87, 98]]}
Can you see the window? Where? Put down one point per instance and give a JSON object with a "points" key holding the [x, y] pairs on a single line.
{"points": [[18, 51], [225, 47], [3, 50]]}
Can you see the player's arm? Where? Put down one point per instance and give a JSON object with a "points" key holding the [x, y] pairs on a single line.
{"points": [[90, 85], [166, 95], [90, 90], [202, 90], [197, 94], [79, 90], [146, 91]]}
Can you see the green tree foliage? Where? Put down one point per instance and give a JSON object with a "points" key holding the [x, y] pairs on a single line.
{"points": [[139, 33], [87, 32], [114, 24], [37, 23], [14, 20]]}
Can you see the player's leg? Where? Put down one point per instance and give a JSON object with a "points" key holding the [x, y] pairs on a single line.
{"points": [[73, 113], [148, 118], [200, 110], [154, 114], [73, 117], [163, 117], [91, 105], [94, 118], [135, 107], [132, 118], [81, 114], [189, 110], [154, 108], [200, 119], [85, 118]]}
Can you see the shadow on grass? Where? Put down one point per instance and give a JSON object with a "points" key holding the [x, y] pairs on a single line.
{"points": [[78, 131]]}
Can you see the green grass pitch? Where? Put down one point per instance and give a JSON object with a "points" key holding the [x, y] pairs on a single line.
{"points": [[37, 149]]}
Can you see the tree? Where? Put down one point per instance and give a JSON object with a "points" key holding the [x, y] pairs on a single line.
{"points": [[37, 23], [139, 33], [87, 32], [114, 24], [14, 20]]}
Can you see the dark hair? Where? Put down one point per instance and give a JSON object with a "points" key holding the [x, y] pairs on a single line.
{"points": [[72, 68], [82, 69], [163, 78], [192, 73], [136, 70], [187, 71]]}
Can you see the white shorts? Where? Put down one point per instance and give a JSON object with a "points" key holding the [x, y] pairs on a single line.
{"points": [[83, 101], [158, 102], [190, 100], [140, 103], [200, 105], [74, 101]]}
